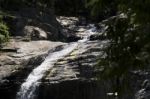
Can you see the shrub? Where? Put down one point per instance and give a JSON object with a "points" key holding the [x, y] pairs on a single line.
{"points": [[4, 32]]}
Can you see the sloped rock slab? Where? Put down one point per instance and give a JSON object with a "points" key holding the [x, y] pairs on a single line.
{"points": [[16, 65]]}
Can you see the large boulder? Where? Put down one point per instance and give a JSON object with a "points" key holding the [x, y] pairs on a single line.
{"points": [[35, 33]]}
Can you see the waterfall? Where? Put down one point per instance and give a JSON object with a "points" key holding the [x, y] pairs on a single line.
{"points": [[28, 88]]}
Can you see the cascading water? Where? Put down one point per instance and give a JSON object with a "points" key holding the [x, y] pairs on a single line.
{"points": [[28, 88]]}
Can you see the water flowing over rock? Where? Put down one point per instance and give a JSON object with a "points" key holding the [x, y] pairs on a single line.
{"points": [[17, 59], [29, 87], [56, 70], [74, 77]]}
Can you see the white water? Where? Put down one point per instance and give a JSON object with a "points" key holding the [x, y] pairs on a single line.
{"points": [[28, 88]]}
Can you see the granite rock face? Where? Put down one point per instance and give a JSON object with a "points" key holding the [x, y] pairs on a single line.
{"points": [[18, 59], [74, 77]]}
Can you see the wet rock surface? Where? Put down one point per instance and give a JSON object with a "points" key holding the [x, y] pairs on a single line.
{"points": [[78, 64], [24, 53], [73, 77], [21, 55], [17, 59]]}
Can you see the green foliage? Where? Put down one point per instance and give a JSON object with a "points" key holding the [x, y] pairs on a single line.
{"points": [[129, 35], [129, 38], [128, 45], [4, 32]]}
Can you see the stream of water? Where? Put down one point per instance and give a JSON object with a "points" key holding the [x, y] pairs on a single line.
{"points": [[28, 88]]}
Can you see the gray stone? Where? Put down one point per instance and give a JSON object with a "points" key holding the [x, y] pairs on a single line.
{"points": [[35, 33], [144, 93]]}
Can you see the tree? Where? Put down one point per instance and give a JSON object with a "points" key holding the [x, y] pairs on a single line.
{"points": [[128, 34]]}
